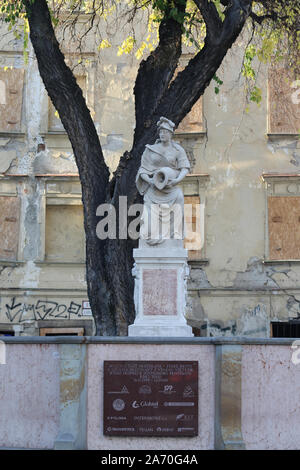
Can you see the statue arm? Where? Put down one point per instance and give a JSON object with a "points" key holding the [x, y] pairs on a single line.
{"points": [[143, 177], [183, 166], [146, 178], [182, 174]]}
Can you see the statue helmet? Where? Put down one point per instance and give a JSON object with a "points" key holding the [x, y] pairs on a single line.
{"points": [[165, 123]]}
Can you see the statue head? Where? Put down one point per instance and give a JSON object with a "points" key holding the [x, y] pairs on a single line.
{"points": [[165, 123]]}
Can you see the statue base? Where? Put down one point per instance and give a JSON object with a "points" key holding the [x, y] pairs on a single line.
{"points": [[161, 274], [155, 329]]}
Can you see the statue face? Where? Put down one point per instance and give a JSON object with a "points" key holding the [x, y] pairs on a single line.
{"points": [[165, 135]]}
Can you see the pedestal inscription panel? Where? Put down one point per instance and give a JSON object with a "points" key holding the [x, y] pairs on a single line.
{"points": [[150, 398], [160, 291]]}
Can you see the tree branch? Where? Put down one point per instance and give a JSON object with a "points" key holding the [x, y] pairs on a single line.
{"points": [[260, 19], [211, 18], [156, 72], [190, 84], [178, 99]]}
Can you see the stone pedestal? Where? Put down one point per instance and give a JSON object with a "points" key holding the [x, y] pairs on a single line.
{"points": [[160, 291]]}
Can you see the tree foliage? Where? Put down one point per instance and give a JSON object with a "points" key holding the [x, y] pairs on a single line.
{"points": [[274, 25], [275, 22]]}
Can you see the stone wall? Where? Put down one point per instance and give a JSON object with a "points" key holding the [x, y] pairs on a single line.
{"points": [[51, 392]]}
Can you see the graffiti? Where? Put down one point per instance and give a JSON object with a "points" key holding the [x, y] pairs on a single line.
{"points": [[293, 306], [216, 329], [40, 310]]}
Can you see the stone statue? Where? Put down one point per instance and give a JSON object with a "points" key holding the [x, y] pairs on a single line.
{"points": [[163, 166], [160, 269]]}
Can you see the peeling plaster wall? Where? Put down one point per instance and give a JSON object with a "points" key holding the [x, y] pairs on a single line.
{"points": [[234, 292]]}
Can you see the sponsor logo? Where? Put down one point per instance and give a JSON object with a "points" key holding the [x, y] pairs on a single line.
{"points": [[145, 404], [118, 404], [188, 391], [123, 390], [168, 390], [159, 429], [145, 390], [119, 429], [179, 403], [184, 417]]}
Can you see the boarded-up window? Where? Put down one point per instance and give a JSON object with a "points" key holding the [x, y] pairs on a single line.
{"points": [[11, 95], [193, 239], [64, 240], [284, 102], [193, 121], [9, 227], [54, 122], [284, 227]]}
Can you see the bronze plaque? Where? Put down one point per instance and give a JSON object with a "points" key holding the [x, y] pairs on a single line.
{"points": [[150, 398]]}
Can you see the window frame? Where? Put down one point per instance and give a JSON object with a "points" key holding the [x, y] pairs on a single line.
{"points": [[51, 196]]}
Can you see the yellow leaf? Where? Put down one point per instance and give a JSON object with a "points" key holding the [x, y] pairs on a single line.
{"points": [[104, 44]]}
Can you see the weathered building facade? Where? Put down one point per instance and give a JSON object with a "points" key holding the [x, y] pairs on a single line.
{"points": [[245, 174]]}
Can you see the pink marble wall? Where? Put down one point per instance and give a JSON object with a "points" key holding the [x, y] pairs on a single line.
{"points": [[29, 396], [270, 398], [98, 353]]}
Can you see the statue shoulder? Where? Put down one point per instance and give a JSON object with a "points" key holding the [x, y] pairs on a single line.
{"points": [[156, 148], [182, 158], [178, 147], [153, 147]]}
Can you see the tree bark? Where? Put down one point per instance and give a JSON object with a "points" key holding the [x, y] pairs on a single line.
{"points": [[109, 262]]}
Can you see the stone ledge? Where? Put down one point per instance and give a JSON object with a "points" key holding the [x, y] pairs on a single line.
{"points": [[217, 340]]}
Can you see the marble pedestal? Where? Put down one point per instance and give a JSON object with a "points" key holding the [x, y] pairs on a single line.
{"points": [[160, 291]]}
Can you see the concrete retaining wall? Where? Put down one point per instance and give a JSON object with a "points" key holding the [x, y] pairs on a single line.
{"points": [[51, 392]]}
